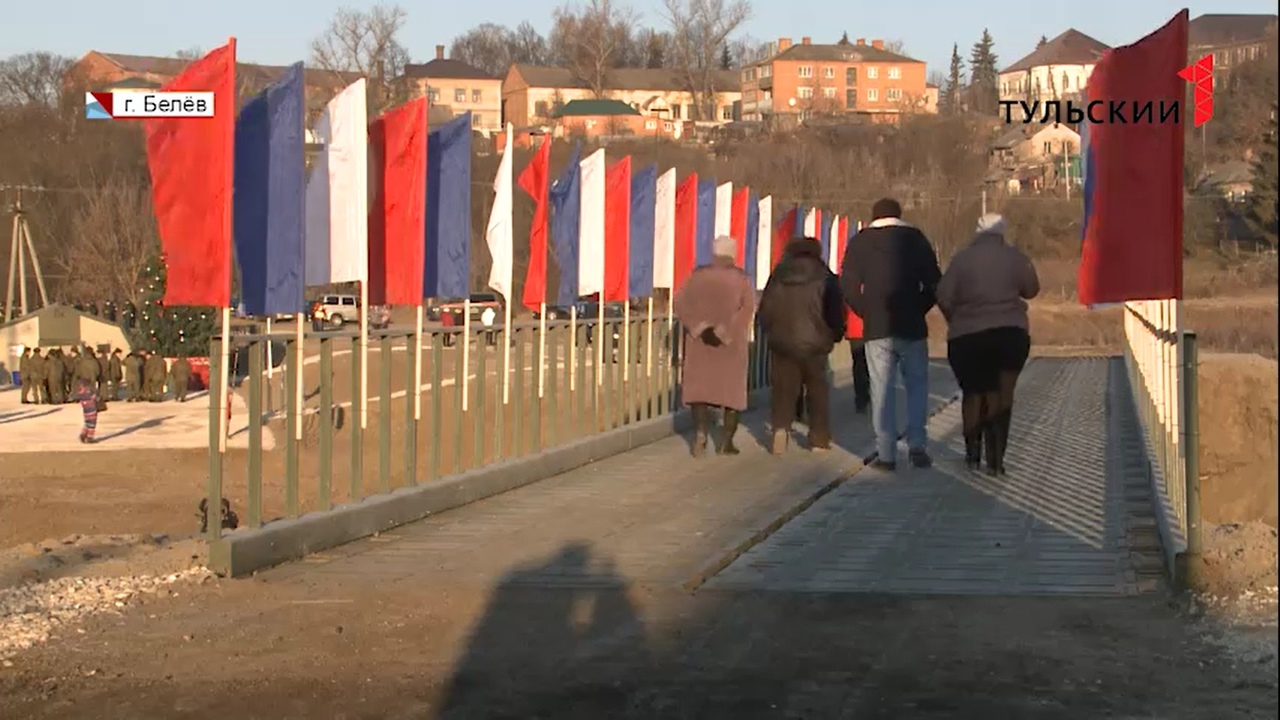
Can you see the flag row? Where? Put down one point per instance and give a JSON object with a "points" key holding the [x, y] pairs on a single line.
{"points": [[388, 203]]}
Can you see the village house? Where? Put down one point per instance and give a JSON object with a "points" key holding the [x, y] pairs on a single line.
{"points": [[1057, 70], [1035, 157], [457, 87], [796, 82], [610, 118], [112, 71], [532, 94], [1231, 39]]}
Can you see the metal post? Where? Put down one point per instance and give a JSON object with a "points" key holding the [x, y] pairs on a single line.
{"points": [[1191, 445]]}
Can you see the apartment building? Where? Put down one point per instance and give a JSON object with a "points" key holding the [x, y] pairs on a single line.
{"points": [[1231, 39], [798, 81], [459, 87]]}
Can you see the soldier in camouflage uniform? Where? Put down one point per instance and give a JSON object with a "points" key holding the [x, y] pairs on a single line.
{"points": [[24, 374], [154, 371], [104, 364], [36, 368], [115, 372], [133, 374], [56, 371], [181, 374]]}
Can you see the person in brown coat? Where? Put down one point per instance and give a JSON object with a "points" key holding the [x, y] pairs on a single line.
{"points": [[983, 295], [715, 308]]}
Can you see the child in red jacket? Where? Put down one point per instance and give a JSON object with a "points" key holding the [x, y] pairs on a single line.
{"points": [[87, 396]]}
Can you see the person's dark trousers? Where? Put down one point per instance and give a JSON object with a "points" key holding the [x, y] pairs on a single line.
{"points": [[986, 365], [861, 375], [792, 379]]}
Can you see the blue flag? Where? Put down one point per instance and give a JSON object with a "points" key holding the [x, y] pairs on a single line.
{"points": [[644, 205], [824, 235], [705, 229], [566, 208], [801, 212], [447, 261], [270, 186], [752, 244]]}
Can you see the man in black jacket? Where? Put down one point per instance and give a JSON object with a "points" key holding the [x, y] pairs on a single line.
{"points": [[889, 278], [802, 315]]}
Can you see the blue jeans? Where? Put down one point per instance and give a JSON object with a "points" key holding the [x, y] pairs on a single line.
{"points": [[886, 357]]}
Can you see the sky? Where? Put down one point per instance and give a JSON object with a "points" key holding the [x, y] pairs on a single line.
{"points": [[277, 32]]}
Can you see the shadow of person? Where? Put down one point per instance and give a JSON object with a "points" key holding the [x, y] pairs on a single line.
{"points": [[559, 639]]}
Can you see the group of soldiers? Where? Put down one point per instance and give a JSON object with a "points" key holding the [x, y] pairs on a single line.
{"points": [[49, 377]]}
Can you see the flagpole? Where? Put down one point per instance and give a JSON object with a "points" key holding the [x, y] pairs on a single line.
{"points": [[270, 372], [466, 351], [364, 354], [573, 347], [626, 340], [224, 374], [506, 350], [417, 364], [301, 356], [600, 340], [542, 347], [648, 347]]}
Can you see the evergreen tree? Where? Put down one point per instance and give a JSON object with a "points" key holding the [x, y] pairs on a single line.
{"points": [[1263, 199], [1043, 41], [950, 100], [170, 331], [844, 38], [726, 58], [984, 80]]}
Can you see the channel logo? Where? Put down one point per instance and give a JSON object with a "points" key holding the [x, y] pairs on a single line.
{"points": [[1200, 75]]}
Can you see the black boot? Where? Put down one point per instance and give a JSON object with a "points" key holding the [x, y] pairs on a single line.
{"points": [[973, 450], [730, 428], [701, 428], [991, 442], [1002, 440]]}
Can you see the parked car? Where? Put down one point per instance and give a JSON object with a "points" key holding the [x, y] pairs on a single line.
{"points": [[554, 312], [483, 305], [342, 309]]}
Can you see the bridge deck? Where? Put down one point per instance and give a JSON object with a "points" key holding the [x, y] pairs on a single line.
{"points": [[1063, 521]]}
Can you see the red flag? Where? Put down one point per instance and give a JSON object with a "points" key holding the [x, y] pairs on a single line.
{"points": [[192, 172], [617, 229], [852, 323], [1132, 248], [534, 180], [783, 231], [686, 229], [397, 215], [738, 223]]}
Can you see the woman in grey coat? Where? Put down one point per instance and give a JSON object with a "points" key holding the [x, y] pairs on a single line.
{"points": [[983, 295]]}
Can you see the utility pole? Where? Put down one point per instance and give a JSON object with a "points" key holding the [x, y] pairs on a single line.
{"points": [[20, 246]]}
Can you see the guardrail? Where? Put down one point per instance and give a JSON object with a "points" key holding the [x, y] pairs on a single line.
{"points": [[563, 385], [1162, 362]]}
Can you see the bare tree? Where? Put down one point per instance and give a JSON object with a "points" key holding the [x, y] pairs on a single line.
{"points": [[746, 50], [34, 78], [897, 47], [195, 52], [652, 46], [699, 29], [364, 42], [486, 46], [527, 45], [592, 40], [113, 238]]}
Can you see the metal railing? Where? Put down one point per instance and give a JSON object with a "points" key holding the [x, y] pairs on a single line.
{"points": [[1161, 360], [566, 381]]}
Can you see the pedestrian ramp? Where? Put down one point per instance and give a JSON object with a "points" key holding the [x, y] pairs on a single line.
{"points": [[1074, 515]]}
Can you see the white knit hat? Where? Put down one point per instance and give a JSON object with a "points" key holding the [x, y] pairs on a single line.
{"points": [[991, 223], [725, 247]]}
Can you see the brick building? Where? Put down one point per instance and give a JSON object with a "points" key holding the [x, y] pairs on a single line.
{"points": [[799, 81]]}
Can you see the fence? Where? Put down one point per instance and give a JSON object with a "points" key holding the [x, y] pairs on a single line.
{"points": [[567, 381], [1161, 360]]}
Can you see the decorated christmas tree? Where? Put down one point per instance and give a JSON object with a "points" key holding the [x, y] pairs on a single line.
{"points": [[170, 331]]}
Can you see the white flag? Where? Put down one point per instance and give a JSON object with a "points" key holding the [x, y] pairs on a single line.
{"points": [[591, 226], [499, 233], [833, 247], [724, 209], [664, 231], [337, 194], [764, 243], [811, 223]]}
